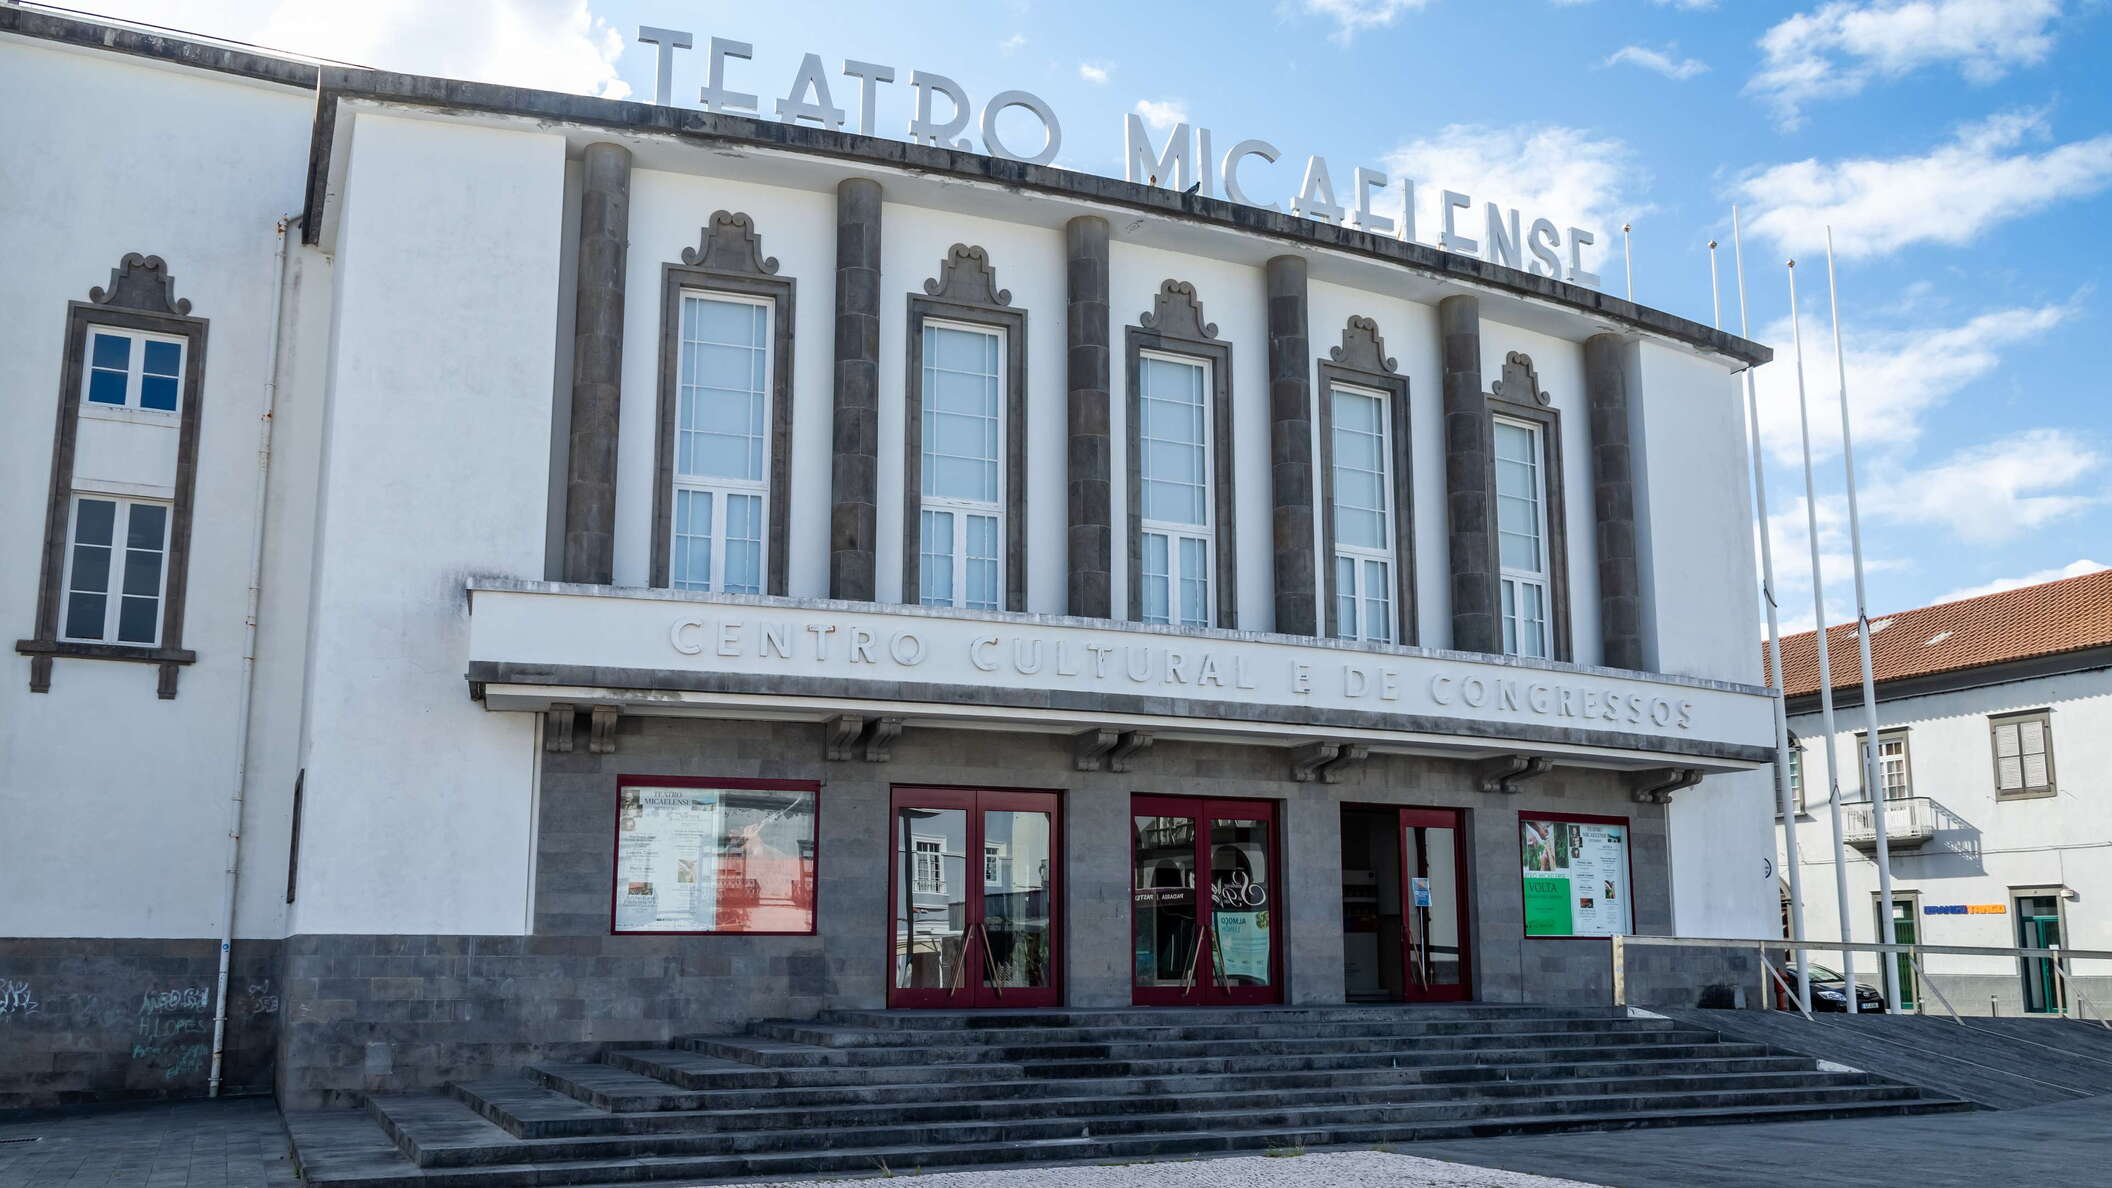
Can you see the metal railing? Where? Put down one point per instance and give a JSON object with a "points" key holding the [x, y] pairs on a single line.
{"points": [[2057, 960], [1909, 821]]}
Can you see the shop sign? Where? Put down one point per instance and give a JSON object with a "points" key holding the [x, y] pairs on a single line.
{"points": [[1965, 909], [1576, 877]]}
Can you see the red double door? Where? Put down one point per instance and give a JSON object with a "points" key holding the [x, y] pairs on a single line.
{"points": [[976, 878], [1204, 923], [1429, 905]]}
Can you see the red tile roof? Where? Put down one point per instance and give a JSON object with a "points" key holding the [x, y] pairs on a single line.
{"points": [[2041, 620]]}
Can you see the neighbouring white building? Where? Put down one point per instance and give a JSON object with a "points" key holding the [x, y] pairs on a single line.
{"points": [[1994, 727], [690, 547]]}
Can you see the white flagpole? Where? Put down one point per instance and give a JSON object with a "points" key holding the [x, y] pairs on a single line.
{"points": [[1873, 783], [1628, 258], [1818, 607], [1783, 805], [1716, 301]]}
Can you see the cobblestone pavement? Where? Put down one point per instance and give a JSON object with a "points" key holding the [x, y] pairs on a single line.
{"points": [[231, 1143]]}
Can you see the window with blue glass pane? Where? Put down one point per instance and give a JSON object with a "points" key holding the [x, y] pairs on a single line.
{"points": [[133, 370], [114, 571]]}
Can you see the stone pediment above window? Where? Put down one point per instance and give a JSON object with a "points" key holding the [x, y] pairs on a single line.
{"points": [[1177, 313], [1520, 383], [730, 244], [967, 278], [1362, 349], [143, 283]]}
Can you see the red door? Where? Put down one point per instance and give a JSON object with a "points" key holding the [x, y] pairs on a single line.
{"points": [[1434, 937], [976, 877], [1203, 919]]}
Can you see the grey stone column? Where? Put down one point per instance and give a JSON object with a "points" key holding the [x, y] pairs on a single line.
{"points": [[854, 473], [1470, 502], [1088, 361], [1291, 447], [1613, 503], [597, 364]]}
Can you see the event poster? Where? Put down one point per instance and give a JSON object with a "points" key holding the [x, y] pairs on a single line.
{"points": [[667, 845], [1576, 878], [1242, 940]]}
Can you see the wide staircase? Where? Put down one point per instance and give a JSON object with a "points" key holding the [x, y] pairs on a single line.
{"points": [[872, 1092]]}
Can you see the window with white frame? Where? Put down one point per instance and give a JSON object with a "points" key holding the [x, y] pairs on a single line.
{"points": [[993, 864], [1893, 771], [2023, 745], [961, 521], [1175, 467], [1363, 508], [132, 369], [116, 571], [1796, 776], [929, 875], [722, 443], [1521, 534]]}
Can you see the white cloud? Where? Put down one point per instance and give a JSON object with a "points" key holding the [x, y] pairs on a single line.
{"points": [[1570, 175], [2075, 568], [1895, 377], [1092, 73], [1161, 114], [1951, 195], [1990, 493], [1352, 17], [554, 45], [1009, 44], [1843, 46], [1662, 61]]}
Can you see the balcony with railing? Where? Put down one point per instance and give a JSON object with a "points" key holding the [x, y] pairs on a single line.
{"points": [[1910, 821]]}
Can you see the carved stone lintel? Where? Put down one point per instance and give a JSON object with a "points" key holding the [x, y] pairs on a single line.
{"points": [[165, 688], [729, 243], [842, 737], [1520, 383], [142, 283], [966, 276], [40, 674], [601, 730], [880, 739], [1657, 785], [558, 724], [1134, 743], [1176, 312], [1362, 349], [1089, 748], [1504, 773]]}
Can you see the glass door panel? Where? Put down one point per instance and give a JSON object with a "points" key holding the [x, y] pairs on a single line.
{"points": [[2039, 927], [1903, 934], [1186, 950], [975, 882], [1433, 906]]}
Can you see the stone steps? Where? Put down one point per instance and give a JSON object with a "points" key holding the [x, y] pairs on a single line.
{"points": [[885, 1092]]}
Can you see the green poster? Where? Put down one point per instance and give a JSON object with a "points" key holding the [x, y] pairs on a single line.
{"points": [[1547, 906]]}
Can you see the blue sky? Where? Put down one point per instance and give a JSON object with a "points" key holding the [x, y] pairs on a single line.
{"points": [[1962, 150]]}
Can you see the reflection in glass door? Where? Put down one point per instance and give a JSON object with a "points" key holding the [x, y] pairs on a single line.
{"points": [[975, 882], [1202, 913], [1434, 906]]}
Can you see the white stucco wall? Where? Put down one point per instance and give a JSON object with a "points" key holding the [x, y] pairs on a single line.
{"points": [[448, 384], [114, 802], [1984, 848]]}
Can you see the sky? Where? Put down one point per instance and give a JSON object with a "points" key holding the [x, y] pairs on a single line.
{"points": [[1961, 151]]}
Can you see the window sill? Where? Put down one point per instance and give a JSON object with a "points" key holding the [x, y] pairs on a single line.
{"points": [[43, 651], [169, 419], [2028, 794]]}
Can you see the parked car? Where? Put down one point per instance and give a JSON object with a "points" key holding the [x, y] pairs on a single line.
{"points": [[1829, 992]]}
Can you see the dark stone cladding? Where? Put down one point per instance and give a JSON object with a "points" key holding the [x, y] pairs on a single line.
{"points": [[1291, 447], [333, 83], [854, 516], [1470, 483], [1613, 503], [1088, 376], [112, 1019], [597, 363]]}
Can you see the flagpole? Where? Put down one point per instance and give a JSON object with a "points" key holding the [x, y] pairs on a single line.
{"points": [[1873, 783], [1783, 805], [1628, 258], [1818, 608], [1716, 296]]}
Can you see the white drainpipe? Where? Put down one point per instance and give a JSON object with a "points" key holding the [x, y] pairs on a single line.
{"points": [[249, 650]]}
